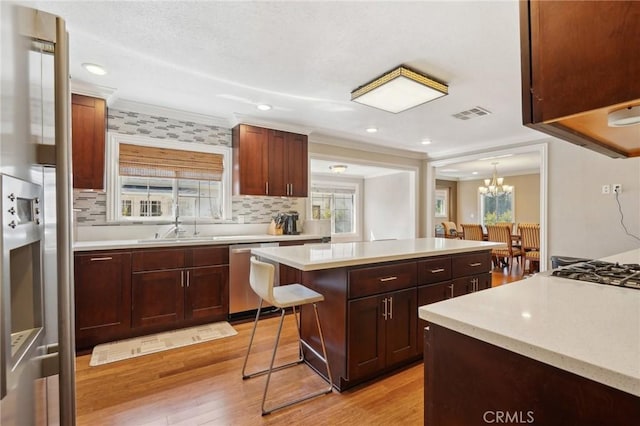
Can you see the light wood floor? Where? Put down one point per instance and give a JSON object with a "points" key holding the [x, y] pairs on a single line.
{"points": [[202, 385]]}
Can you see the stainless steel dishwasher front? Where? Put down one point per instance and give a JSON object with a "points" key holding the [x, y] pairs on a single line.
{"points": [[241, 296]]}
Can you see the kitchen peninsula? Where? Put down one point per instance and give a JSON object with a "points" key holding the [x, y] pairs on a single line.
{"points": [[544, 350], [372, 292]]}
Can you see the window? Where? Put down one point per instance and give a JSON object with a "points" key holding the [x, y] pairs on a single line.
{"points": [[156, 179], [337, 204], [442, 199], [497, 208]]}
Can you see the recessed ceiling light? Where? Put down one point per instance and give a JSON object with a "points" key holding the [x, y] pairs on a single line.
{"points": [[94, 69], [628, 116], [425, 141], [474, 173], [371, 129], [264, 107]]}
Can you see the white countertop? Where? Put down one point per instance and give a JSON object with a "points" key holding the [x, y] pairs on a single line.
{"points": [[187, 241], [335, 255], [592, 330]]}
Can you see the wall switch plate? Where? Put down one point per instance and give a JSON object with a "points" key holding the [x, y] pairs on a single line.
{"points": [[606, 189], [617, 188]]}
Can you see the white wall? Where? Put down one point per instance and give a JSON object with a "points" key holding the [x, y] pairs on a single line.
{"points": [[527, 197], [581, 220], [389, 207]]}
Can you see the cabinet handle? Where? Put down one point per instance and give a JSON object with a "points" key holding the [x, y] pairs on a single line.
{"points": [[188, 276], [451, 288], [473, 265], [266, 187], [181, 278], [435, 271], [391, 307], [291, 189], [382, 280], [384, 314], [95, 259]]}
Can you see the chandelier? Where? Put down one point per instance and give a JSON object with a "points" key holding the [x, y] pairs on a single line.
{"points": [[495, 185]]}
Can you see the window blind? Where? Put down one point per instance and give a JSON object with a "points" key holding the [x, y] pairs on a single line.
{"points": [[332, 190], [146, 161]]}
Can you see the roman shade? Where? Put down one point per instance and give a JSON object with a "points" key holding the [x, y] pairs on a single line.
{"points": [[146, 161]]}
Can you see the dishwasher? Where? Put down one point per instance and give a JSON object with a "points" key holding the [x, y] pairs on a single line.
{"points": [[242, 299]]}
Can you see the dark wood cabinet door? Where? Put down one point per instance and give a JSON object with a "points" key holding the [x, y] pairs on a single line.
{"points": [[402, 312], [158, 298], [460, 286], [430, 294], [207, 293], [484, 281], [88, 118], [250, 160], [296, 163], [102, 297], [277, 164], [366, 334]]}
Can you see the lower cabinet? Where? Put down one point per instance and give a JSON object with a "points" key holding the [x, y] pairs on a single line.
{"points": [[124, 294], [382, 332], [102, 297], [175, 286]]}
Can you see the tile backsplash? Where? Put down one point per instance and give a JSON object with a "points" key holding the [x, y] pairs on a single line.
{"points": [[90, 206]]}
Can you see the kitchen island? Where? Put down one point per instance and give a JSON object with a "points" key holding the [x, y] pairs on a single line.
{"points": [[543, 350], [372, 291]]}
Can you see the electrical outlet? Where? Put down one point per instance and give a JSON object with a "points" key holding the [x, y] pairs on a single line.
{"points": [[606, 189], [617, 188]]}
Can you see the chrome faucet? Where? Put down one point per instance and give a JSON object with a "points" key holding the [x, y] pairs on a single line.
{"points": [[176, 225]]}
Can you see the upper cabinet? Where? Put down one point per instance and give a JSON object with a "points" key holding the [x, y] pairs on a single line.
{"points": [[88, 126], [579, 63], [269, 162]]}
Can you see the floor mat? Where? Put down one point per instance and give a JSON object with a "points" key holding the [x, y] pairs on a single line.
{"points": [[130, 348]]}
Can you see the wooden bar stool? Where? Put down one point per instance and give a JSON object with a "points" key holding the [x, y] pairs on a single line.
{"points": [[261, 276]]}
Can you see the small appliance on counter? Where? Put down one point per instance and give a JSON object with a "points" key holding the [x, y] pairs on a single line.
{"points": [[290, 226]]}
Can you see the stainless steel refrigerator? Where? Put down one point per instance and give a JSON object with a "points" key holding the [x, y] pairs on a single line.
{"points": [[37, 357]]}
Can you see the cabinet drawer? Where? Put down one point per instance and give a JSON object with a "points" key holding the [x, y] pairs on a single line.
{"points": [[380, 279], [470, 264], [155, 260], [434, 270], [209, 256]]}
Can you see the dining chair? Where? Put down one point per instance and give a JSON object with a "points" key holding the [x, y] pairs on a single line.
{"points": [[530, 242], [450, 229], [502, 234], [472, 231], [509, 224]]}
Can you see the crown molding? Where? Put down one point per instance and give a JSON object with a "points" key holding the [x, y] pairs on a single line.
{"points": [[176, 114], [83, 88], [253, 121], [363, 146]]}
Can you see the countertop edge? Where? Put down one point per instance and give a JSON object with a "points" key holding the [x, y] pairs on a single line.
{"points": [[330, 264], [581, 368], [83, 246]]}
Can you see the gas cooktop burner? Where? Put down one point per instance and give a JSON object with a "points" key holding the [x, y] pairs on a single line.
{"points": [[596, 271]]}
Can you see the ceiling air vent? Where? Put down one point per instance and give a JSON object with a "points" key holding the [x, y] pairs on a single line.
{"points": [[471, 113]]}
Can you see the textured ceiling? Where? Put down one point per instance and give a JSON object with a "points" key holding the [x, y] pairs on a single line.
{"points": [[304, 58]]}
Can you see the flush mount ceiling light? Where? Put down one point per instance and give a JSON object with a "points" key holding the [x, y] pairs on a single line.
{"points": [[264, 107], [338, 168], [426, 142], [371, 130], [398, 90], [94, 68], [623, 117]]}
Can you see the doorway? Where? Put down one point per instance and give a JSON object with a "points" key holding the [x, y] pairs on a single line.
{"points": [[525, 167]]}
